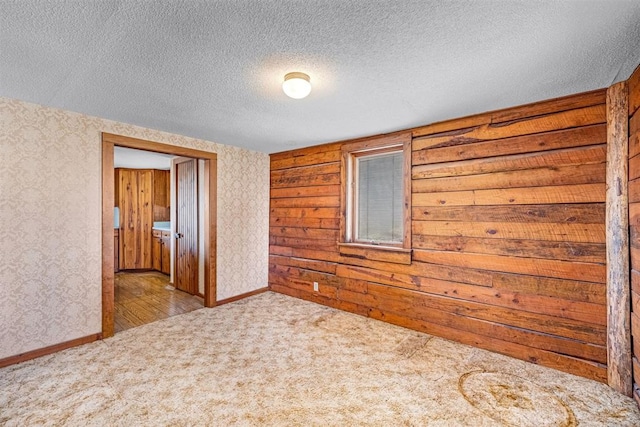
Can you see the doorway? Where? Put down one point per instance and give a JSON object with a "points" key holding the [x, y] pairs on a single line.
{"points": [[208, 174], [155, 201]]}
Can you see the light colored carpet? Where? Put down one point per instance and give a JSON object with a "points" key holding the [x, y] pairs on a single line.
{"points": [[276, 360]]}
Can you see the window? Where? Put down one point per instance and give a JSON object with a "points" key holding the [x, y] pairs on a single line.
{"points": [[376, 195], [377, 202]]}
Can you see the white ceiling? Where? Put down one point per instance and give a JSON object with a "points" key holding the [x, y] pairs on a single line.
{"points": [[213, 69], [139, 159]]}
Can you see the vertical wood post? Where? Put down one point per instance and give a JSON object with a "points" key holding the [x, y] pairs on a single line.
{"points": [[617, 240], [108, 195]]}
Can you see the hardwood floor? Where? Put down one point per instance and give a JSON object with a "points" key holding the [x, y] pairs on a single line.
{"points": [[142, 298]]}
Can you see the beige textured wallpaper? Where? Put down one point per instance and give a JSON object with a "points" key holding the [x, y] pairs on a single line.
{"points": [[50, 221]]}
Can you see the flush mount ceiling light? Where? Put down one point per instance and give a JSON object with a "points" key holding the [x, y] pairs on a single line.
{"points": [[296, 85]]}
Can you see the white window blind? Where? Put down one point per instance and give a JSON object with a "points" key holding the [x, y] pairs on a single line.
{"points": [[379, 194]]}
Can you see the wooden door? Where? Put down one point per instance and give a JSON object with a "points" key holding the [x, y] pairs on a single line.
{"points": [[186, 258], [135, 194]]}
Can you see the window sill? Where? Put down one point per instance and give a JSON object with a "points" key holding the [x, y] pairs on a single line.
{"points": [[392, 254]]}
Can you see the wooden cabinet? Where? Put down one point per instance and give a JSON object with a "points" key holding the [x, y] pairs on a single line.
{"points": [[116, 250], [135, 200], [161, 195], [161, 249], [166, 252], [156, 250], [143, 196]]}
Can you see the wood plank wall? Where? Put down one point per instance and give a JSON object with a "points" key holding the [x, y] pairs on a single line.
{"points": [[634, 222], [508, 234]]}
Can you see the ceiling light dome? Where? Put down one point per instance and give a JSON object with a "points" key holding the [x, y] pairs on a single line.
{"points": [[296, 85]]}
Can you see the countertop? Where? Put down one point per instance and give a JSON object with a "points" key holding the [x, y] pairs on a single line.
{"points": [[162, 225]]}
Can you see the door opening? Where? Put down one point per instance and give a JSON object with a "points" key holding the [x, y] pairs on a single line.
{"points": [[144, 290], [208, 162]]}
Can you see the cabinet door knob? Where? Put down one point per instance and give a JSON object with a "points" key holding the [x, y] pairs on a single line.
{"points": [[179, 235]]}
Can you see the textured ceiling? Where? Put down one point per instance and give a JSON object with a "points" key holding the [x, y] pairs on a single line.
{"points": [[213, 69]]}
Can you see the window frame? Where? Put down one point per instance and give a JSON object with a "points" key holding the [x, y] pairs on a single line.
{"points": [[350, 153]]}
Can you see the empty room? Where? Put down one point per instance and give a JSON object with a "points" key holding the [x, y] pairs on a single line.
{"points": [[280, 212]]}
